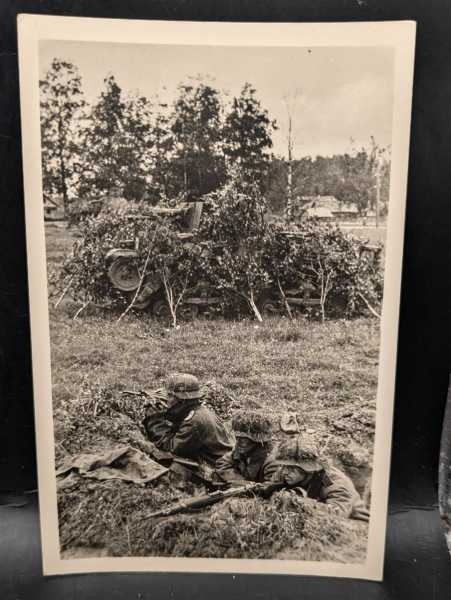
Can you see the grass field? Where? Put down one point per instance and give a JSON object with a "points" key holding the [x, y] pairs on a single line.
{"points": [[324, 372]]}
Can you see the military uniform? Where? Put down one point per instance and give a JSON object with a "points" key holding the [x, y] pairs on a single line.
{"points": [[188, 428], [200, 436], [325, 484], [253, 464], [256, 467], [338, 492]]}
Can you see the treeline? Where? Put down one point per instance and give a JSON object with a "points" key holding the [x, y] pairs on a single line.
{"points": [[146, 148], [149, 150], [352, 178]]}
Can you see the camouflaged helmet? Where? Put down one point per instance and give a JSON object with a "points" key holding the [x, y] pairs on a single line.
{"points": [[184, 386], [252, 425], [301, 453]]}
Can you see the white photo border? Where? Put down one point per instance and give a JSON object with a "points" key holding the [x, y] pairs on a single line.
{"points": [[400, 35]]}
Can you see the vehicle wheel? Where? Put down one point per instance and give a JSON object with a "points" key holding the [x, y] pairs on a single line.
{"points": [[188, 312], [123, 274], [270, 308], [161, 310], [210, 312]]}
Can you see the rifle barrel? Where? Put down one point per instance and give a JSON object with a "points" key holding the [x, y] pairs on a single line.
{"points": [[209, 499]]}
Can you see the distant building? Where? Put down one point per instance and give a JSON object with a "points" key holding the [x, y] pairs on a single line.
{"points": [[53, 211], [325, 207], [318, 212]]}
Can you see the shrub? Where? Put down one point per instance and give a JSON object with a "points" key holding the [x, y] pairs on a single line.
{"points": [[236, 252]]}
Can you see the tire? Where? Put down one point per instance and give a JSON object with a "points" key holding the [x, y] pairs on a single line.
{"points": [[160, 310], [123, 274], [188, 312]]}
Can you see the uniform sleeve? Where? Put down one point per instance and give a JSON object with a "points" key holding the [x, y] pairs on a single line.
{"points": [[187, 439], [340, 494], [225, 469]]}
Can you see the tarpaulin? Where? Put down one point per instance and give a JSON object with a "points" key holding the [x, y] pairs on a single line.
{"points": [[125, 463]]}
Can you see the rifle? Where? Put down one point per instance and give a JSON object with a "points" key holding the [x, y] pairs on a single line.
{"points": [[155, 400], [217, 496]]}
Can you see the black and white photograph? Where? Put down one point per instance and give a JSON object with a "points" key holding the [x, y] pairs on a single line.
{"points": [[215, 228]]}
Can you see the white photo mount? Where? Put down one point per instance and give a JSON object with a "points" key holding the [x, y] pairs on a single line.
{"points": [[32, 29]]}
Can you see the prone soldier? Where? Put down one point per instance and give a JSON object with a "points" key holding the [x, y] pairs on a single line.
{"points": [[188, 428], [297, 464], [249, 460]]}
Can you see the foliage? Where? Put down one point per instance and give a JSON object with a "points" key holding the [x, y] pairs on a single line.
{"points": [[159, 255], [247, 135], [237, 252], [234, 230], [331, 260], [350, 177], [61, 104], [197, 163], [115, 155]]}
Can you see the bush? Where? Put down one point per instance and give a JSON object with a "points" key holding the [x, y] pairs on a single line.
{"points": [[236, 252]]}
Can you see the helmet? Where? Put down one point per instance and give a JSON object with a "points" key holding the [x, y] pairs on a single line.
{"points": [[252, 425], [184, 386], [299, 453]]}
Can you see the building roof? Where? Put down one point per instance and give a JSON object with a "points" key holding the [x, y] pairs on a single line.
{"points": [[319, 212], [330, 203]]}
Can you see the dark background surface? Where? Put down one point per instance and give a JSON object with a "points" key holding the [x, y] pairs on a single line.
{"points": [[417, 564]]}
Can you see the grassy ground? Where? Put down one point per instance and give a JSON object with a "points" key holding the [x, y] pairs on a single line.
{"points": [[325, 372]]}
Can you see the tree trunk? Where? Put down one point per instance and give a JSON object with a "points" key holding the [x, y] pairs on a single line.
{"points": [[255, 308], [62, 165], [285, 301], [289, 208]]}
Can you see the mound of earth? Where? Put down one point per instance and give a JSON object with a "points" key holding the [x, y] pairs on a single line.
{"points": [[108, 518], [357, 422]]}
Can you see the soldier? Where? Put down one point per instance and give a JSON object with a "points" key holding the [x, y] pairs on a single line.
{"points": [[188, 428], [297, 464], [249, 460]]}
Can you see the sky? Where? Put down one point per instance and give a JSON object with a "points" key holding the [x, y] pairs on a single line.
{"points": [[335, 94]]}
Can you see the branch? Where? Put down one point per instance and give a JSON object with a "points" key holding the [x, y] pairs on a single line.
{"points": [[287, 306], [66, 289], [143, 274], [182, 293], [81, 309], [370, 308]]}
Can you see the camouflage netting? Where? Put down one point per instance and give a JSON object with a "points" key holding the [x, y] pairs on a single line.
{"points": [[253, 424]]}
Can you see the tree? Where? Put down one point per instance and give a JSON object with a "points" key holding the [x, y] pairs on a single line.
{"points": [[197, 163], [117, 143], [103, 139], [235, 232], [247, 135], [160, 148], [61, 102], [290, 104]]}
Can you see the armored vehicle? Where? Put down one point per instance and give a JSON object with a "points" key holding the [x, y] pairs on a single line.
{"points": [[124, 275]]}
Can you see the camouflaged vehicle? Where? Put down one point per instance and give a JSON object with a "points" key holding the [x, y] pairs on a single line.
{"points": [[124, 276]]}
